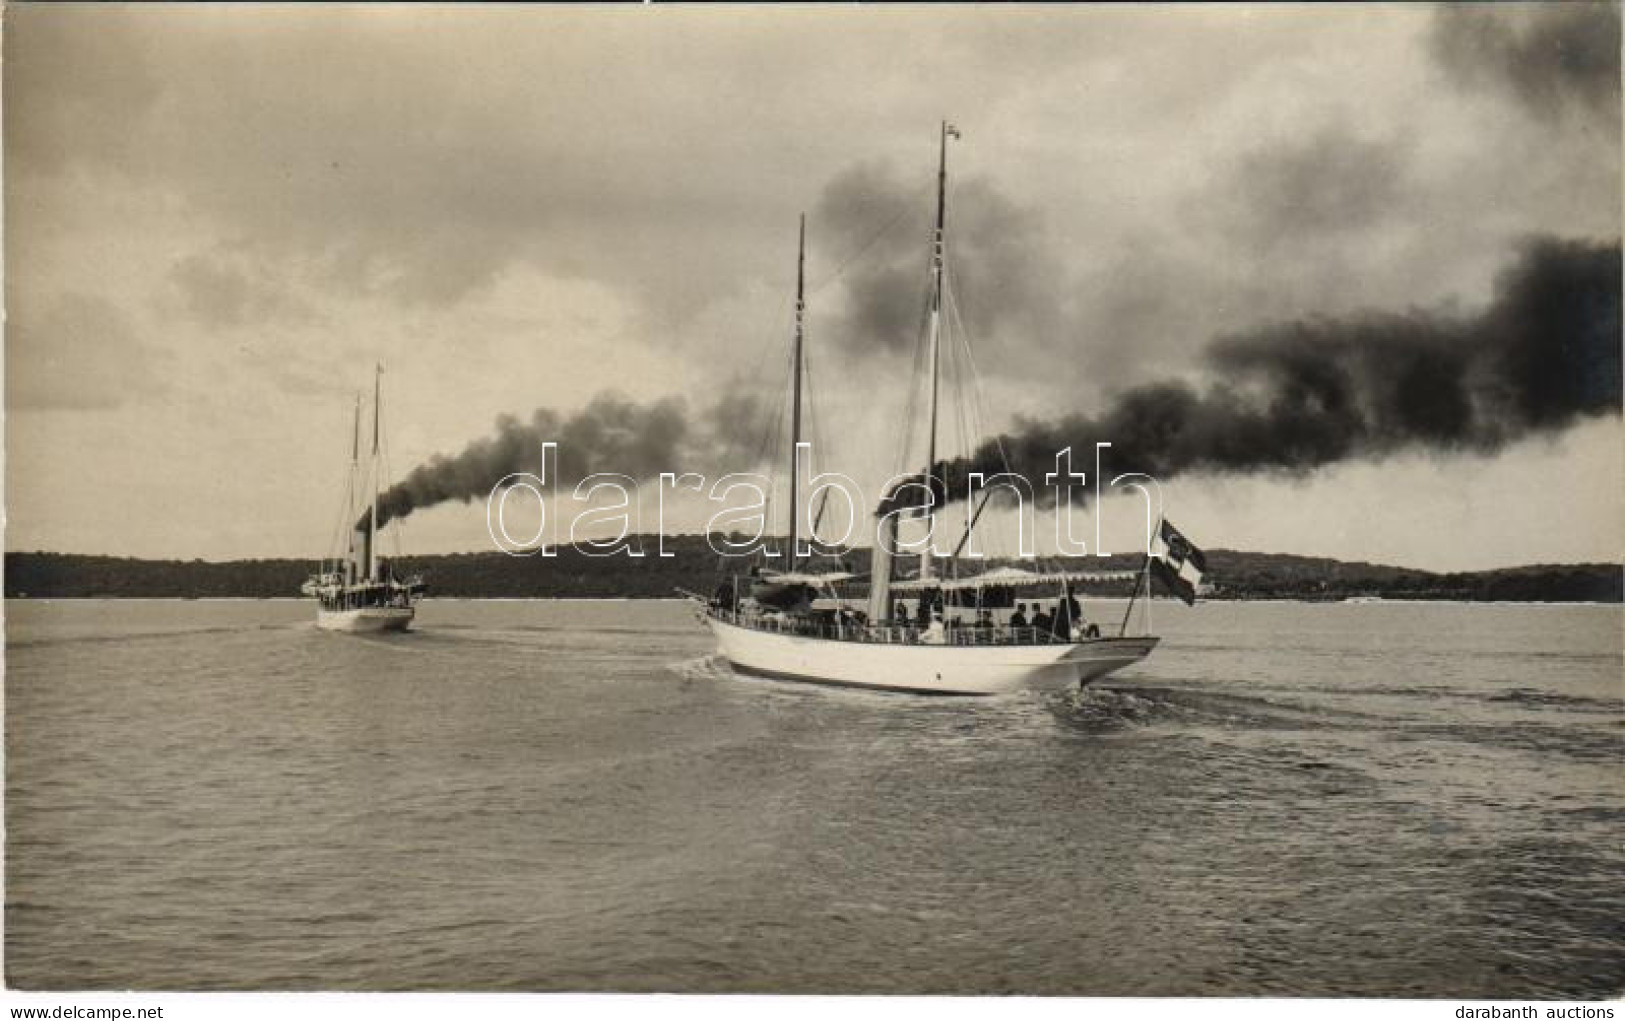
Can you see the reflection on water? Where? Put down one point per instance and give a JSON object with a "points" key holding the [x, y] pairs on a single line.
{"points": [[1285, 799]]}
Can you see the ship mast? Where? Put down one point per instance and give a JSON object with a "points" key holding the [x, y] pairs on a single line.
{"points": [[355, 481], [372, 519], [795, 401], [880, 557], [926, 568]]}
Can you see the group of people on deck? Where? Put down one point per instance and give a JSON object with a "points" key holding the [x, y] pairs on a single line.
{"points": [[1060, 620], [1065, 621]]}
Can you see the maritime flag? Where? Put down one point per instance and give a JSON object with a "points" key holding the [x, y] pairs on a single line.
{"points": [[1177, 562]]}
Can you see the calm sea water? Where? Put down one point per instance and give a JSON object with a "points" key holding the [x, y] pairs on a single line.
{"points": [[1376, 799]]}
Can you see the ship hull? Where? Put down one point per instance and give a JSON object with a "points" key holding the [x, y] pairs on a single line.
{"points": [[366, 619], [925, 669]]}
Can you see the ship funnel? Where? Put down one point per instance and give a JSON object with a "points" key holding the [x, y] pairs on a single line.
{"points": [[361, 547]]}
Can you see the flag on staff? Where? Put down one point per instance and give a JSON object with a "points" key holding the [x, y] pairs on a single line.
{"points": [[1177, 562]]}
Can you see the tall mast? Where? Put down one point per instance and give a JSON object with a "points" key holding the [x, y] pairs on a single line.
{"points": [[936, 328], [355, 480], [795, 401], [372, 520]]}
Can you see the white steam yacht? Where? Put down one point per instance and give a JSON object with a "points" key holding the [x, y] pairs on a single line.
{"points": [[961, 639]]}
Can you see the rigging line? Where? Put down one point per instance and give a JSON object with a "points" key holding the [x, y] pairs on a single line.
{"points": [[980, 422], [809, 435], [966, 410], [772, 425], [905, 424], [766, 427], [753, 383], [397, 523], [346, 509], [922, 385], [907, 207], [783, 428], [773, 442], [764, 351], [819, 439], [335, 544], [815, 431], [386, 473], [981, 386]]}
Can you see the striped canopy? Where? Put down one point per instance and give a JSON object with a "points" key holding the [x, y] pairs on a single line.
{"points": [[1011, 576]]}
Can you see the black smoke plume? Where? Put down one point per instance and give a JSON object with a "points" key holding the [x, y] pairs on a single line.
{"points": [[611, 434], [1293, 397]]}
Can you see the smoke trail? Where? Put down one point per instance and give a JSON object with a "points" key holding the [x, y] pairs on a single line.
{"points": [[1293, 397], [1287, 398], [611, 434]]}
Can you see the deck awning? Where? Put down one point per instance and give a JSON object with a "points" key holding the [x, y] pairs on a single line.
{"points": [[806, 578], [1013, 577]]}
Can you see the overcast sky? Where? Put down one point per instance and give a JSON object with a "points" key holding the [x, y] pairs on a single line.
{"points": [[217, 219]]}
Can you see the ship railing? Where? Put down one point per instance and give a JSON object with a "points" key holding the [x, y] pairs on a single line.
{"points": [[891, 633]]}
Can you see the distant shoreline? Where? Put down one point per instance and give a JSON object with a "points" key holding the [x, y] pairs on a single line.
{"points": [[680, 599], [1234, 576]]}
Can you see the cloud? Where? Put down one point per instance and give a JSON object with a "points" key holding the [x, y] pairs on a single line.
{"points": [[1007, 278], [522, 205], [409, 155], [75, 352], [1555, 59], [223, 289], [86, 89], [1318, 185]]}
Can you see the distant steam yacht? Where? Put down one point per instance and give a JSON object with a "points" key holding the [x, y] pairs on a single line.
{"points": [[355, 589]]}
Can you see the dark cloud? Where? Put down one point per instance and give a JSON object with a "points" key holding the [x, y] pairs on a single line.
{"points": [[1321, 184], [1553, 58], [1297, 396], [367, 151], [88, 84], [223, 289], [354, 148], [75, 351], [1006, 276]]}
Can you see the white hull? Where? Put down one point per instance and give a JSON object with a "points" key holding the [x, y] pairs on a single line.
{"points": [[365, 619], [926, 669]]}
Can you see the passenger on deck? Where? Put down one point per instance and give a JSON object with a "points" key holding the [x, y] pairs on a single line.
{"points": [[935, 633], [922, 616], [1061, 624], [723, 599], [1019, 618], [1042, 621], [1079, 625]]}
